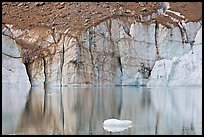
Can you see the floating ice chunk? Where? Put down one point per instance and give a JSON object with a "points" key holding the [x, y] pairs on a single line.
{"points": [[116, 122], [115, 125]]}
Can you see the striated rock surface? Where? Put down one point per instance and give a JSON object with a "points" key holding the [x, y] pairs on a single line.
{"points": [[117, 50]]}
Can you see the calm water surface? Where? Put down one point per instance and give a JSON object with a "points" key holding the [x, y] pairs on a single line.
{"points": [[82, 110]]}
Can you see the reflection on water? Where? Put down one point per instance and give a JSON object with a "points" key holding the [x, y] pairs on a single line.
{"points": [[82, 110]]}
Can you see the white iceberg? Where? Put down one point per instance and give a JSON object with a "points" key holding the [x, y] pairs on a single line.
{"points": [[115, 125]]}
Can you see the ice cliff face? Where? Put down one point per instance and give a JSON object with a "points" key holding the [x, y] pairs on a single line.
{"points": [[13, 69], [117, 51], [183, 70]]}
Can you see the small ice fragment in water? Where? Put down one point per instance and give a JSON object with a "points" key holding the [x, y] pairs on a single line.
{"points": [[115, 125]]}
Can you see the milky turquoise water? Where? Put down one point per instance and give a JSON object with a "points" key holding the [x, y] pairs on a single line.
{"points": [[82, 110]]}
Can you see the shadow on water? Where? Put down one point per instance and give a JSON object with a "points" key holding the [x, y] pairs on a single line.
{"points": [[82, 110]]}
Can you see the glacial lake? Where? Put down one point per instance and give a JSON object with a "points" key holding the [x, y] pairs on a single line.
{"points": [[82, 110]]}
